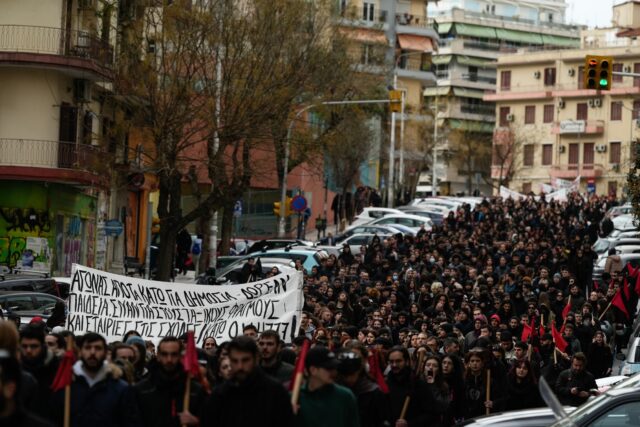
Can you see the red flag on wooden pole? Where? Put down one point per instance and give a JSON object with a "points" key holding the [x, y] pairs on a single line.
{"points": [[65, 371], [567, 308], [298, 375], [376, 372], [618, 302], [526, 332], [558, 339]]}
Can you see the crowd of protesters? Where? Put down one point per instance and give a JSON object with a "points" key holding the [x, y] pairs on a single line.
{"points": [[451, 324]]}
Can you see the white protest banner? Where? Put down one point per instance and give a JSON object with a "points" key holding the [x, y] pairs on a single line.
{"points": [[111, 305], [546, 188], [505, 193]]}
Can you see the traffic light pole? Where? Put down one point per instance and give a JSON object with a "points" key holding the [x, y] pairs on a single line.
{"points": [[285, 163]]}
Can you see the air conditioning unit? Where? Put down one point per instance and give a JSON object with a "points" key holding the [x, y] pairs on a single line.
{"points": [[626, 69], [597, 102], [561, 103], [537, 74], [510, 117], [561, 148], [572, 72], [82, 90], [592, 103], [616, 167], [601, 148]]}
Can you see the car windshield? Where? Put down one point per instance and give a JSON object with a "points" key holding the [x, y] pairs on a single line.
{"points": [[578, 416], [601, 246]]}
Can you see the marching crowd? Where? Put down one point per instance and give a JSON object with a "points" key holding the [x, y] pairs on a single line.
{"points": [[453, 323]]}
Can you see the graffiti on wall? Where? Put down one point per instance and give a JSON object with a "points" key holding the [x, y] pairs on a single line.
{"points": [[72, 243], [26, 220], [29, 252]]}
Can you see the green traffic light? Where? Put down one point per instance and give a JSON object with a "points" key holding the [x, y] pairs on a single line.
{"points": [[603, 82]]}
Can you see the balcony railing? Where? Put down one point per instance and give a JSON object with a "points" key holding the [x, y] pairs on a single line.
{"points": [[572, 170], [486, 110], [477, 78], [52, 154], [55, 41], [413, 20]]}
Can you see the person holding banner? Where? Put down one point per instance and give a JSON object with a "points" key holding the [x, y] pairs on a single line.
{"points": [[99, 398], [250, 398]]}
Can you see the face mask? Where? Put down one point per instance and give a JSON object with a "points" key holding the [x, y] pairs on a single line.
{"points": [[395, 277]]}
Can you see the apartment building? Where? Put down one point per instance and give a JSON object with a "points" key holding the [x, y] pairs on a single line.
{"points": [[549, 127], [473, 34], [58, 143], [394, 40]]}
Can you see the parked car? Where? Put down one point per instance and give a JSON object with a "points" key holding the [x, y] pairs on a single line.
{"points": [[33, 282], [412, 221], [598, 269], [362, 229], [358, 240], [369, 214], [625, 222], [616, 211], [436, 217], [631, 362], [617, 407], [27, 305], [537, 417], [232, 276], [265, 245], [602, 247], [450, 204]]}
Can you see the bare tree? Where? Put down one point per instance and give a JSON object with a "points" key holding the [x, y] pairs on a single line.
{"points": [[472, 153], [507, 150]]}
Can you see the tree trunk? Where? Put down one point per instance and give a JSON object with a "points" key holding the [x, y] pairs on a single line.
{"points": [[170, 213], [166, 253], [227, 227], [203, 229]]}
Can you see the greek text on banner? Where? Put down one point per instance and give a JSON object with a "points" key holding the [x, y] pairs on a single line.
{"points": [[111, 305]]}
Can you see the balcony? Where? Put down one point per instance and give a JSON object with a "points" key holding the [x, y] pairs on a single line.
{"points": [[55, 47], [572, 171], [355, 17], [409, 70], [53, 160], [485, 110], [415, 24]]}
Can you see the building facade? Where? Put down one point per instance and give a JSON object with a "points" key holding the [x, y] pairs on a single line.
{"points": [[473, 34], [548, 127]]}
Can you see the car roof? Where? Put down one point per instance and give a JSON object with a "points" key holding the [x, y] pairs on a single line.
{"points": [[404, 215], [35, 294], [512, 417]]}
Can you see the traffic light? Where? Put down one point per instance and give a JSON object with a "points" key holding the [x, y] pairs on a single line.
{"points": [[395, 101], [287, 211], [598, 71]]}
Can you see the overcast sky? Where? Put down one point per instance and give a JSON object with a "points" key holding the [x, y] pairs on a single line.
{"points": [[590, 12]]}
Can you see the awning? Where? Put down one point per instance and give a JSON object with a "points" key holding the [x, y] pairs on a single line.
{"points": [[475, 62], [475, 31], [471, 126], [560, 41], [444, 28], [518, 36], [364, 35], [468, 93], [441, 59], [416, 43], [436, 91]]}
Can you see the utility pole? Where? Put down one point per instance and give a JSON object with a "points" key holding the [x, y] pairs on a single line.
{"points": [[434, 154]]}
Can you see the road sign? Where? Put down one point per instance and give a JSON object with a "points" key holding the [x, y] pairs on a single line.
{"points": [[237, 209], [298, 204], [113, 227]]}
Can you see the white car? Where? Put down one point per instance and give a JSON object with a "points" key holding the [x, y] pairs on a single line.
{"points": [[449, 204], [412, 221], [625, 223], [369, 214]]}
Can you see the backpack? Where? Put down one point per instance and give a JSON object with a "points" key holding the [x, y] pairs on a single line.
{"points": [[196, 249]]}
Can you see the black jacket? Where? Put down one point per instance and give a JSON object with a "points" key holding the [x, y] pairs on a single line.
{"points": [[599, 360], [44, 371], [109, 403], [24, 419], [373, 404], [427, 405], [258, 401], [522, 395], [160, 398], [584, 381]]}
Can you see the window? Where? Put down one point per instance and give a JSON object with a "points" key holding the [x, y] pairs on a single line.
{"points": [[526, 187], [528, 155], [581, 77], [504, 112], [529, 114], [548, 114], [625, 414], [19, 303], [371, 55], [612, 188], [505, 80], [617, 68], [614, 152], [547, 154], [582, 112], [574, 155], [43, 302], [473, 73], [549, 76], [588, 153], [368, 11], [636, 109], [636, 69], [616, 110]]}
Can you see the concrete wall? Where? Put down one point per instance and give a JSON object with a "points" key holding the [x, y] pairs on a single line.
{"points": [[43, 13]]}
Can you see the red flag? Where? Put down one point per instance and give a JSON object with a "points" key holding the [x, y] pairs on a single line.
{"points": [[299, 370], [65, 369], [626, 287], [637, 287], [376, 372], [558, 339], [190, 362], [567, 308], [632, 271], [541, 331], [618, 302], [526, 332]]}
